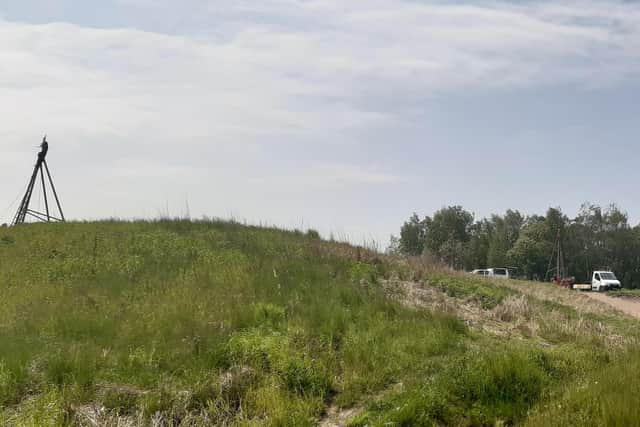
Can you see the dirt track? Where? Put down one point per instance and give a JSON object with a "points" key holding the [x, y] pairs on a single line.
{"points": [[626, 305]]}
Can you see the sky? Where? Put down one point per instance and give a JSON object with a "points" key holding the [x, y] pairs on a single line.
{"points": [[342, 116]]}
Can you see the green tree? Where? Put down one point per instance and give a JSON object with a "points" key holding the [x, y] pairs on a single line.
{"points": [[532, 250], [412, 235], [505, 233], [447, 234], [477, 250]]}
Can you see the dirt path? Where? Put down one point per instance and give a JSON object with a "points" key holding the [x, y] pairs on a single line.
{"points": [[626, 305], [338, 418]]}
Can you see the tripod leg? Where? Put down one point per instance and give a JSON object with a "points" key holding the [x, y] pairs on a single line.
{"points": [[55, 194], [24, 205], [44, 191]]}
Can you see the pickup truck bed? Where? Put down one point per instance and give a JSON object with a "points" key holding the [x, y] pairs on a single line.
{"points": [[582, 287]]}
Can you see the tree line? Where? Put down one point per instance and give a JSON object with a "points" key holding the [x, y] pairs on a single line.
{"points": [[597, 238]]}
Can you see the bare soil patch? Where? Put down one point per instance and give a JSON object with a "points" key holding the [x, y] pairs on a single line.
{"points": [[626, 305], [337, 417]]}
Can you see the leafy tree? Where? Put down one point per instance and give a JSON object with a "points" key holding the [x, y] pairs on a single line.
{"points": [[450, 223], [556, 223], [412, 236], [532, 249], [503, 233], [447, 233], [477, 250]]}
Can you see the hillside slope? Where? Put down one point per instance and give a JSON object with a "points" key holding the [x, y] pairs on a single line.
{"points": [[212, 323]]}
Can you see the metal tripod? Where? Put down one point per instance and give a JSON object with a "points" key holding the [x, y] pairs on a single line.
{"points": [[39, 170]]}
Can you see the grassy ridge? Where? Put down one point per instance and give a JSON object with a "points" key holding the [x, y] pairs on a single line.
{"points": [[215, 323]]}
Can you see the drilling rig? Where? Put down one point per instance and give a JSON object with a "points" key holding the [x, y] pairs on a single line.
{"points": [[560, 276]]}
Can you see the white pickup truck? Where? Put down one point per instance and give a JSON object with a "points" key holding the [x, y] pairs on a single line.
{"points": [[600, 281]]}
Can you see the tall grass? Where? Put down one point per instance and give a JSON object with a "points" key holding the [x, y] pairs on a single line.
{"points": [[204, 323], [605, 397], [251, 324]]}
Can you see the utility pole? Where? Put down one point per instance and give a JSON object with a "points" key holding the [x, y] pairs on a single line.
{"points": [[41, 168]]}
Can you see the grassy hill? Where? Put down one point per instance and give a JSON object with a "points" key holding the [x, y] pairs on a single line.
{"points": [[213, 323]]}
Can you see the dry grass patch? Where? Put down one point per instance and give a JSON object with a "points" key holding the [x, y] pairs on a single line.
{"points": [[514, 308], [549, 292], [423, 295], [519, 315]]}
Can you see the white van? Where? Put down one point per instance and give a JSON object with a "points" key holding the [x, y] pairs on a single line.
{"points": [[502, 272], [480, 272]]}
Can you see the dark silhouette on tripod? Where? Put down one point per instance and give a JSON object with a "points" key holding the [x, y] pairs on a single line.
{"points": [[40, 169]]}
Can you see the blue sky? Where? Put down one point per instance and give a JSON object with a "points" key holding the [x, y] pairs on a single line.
{"points": [[342, 116]]}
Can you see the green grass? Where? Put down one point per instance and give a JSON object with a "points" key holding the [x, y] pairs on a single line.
{"points": [[628, 293], [605, 397], [471, 288], [216, 323]]}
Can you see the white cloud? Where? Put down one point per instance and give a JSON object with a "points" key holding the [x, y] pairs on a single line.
{"points": [[264, 77]]}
